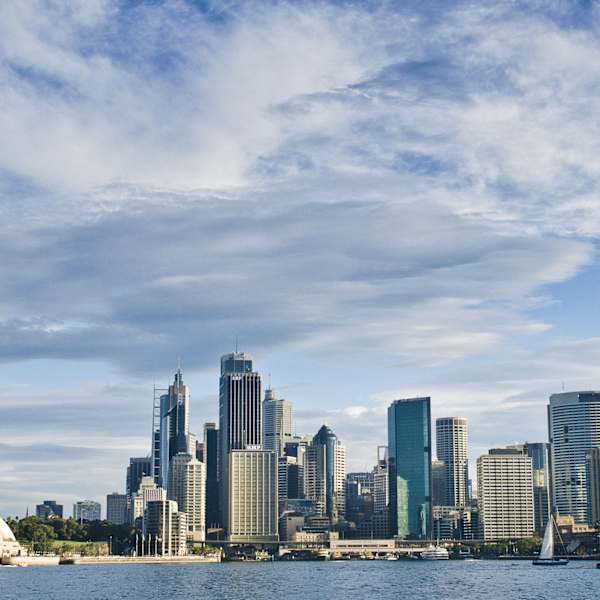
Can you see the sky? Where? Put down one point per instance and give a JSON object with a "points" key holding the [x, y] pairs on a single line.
{"points": [[380, 199]]}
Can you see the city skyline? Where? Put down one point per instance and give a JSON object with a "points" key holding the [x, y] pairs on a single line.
{"points": [[389, 216]]}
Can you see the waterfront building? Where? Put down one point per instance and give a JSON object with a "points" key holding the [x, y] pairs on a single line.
{"points": [[505, 494], [574, 429], [325, 474], [211, 458], [453, 450], [187, 487], [117, 508], [253, 511], [593, 485], [240, 417], [278, 422], [538, 452], [409, 464], [165, 529], [139, 466], [453, 523], [87, 510], [49, 508]]}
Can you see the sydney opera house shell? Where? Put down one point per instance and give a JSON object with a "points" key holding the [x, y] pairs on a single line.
{"points": [[12, 553]]}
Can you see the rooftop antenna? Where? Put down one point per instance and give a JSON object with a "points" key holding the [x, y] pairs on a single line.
{"points": [[269, 380], [236, 344]]}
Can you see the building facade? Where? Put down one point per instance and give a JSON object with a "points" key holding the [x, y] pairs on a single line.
{"points": [[539, 454], [211, 461], [574, 429], [253, 511], [49, 508], [325, 474], [505, 494], [240, 417], [187, 487], [165, 529], [87, 510], [139, 466], [117, 511], [278, 422], [453, 450], [409, 464], [593, 486]]}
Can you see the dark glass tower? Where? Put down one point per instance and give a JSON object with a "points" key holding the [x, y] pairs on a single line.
{"points": [[211, 457], [240, 416], [409, 444]]}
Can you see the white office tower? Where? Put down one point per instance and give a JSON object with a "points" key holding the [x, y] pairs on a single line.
{"points": [[87, 510], [453, 449], [574, 429], [187, 486], [147, 492], [165, 529], [253, 509], [505, 494], [278, 422], [325, 474]]}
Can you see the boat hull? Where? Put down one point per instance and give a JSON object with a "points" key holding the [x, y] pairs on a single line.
{"points": [[550, 562]]}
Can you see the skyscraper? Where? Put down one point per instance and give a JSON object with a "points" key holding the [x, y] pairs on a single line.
{"points": [[253, 509], [174, 425], [116, 508], [438, 483], [165, 528], [325, 474], [240, 416], [211, 460], [187, 487], [452, 449], [409, 464], [593, 486], [278, 426], [138, 468], [505, 494], [574, 429], [538, 452]]}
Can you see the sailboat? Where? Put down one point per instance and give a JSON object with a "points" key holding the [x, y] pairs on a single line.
{"points": [[547, 558]]}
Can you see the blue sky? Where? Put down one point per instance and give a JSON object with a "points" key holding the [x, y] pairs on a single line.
{"points": [[381, 199]]}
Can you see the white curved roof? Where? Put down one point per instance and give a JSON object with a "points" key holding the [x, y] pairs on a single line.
{"points": [[6, 534]]}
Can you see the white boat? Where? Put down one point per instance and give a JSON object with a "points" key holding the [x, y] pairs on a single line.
{"points": [[547, 558], [435, 553]]}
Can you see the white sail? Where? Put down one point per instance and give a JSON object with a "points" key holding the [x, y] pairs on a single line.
{"points": [[547, 550]]}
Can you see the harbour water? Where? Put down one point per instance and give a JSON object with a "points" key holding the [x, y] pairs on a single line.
{"points": [[345, 580]]}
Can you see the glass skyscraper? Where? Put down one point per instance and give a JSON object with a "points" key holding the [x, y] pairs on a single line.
{"points": [[574, 428], [409, 448]]}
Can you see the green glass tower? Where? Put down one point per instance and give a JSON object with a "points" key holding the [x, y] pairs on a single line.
{"points": [[409, 447]]}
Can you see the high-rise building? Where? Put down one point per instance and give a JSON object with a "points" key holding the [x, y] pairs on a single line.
{"points": [[187, 487], [381, 487], [165, 529], [253, 512], [138, 467], [87, 510], [452, 448], [538, 452], [240, 417], [574, 428], [116, 508], [593, 486], [290, 480], [49, 508], [211, 461], [278, 423], [147, 492], [505, 494], [438, 483], [174, 428], [409, 464], [325, 474]]}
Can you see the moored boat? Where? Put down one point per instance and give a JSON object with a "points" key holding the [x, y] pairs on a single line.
{"points": [[435, 553]]}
